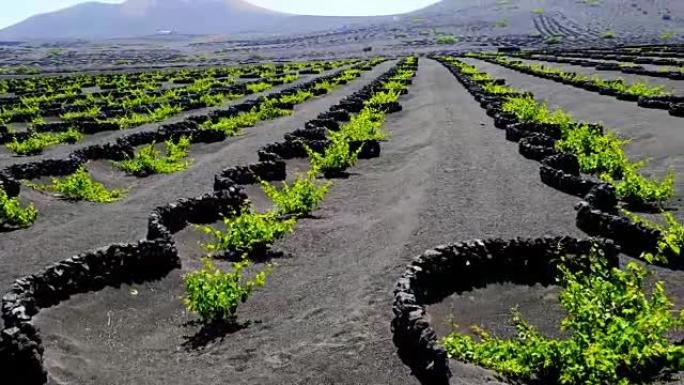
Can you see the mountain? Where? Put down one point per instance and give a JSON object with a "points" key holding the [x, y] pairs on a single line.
{"points": [[574, 19], [629, 18], [144, 17]]}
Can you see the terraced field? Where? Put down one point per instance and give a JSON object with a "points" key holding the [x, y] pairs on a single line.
{"points": [[345, 222]]}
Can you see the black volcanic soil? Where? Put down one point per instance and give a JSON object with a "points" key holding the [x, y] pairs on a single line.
{"points": [[650, 67], [63, 150], [323, 318], [675, 87], [446, 175], [64, 228], [655, 135], [490, 308]]}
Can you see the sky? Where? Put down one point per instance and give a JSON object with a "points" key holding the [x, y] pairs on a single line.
{"points": [[22, 9], [18, 10]]}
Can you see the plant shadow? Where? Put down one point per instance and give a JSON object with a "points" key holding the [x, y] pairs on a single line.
{"points": [[261, 254], [211, 332], [7, 228], [311, 216], [337, 174], [646, 208]]}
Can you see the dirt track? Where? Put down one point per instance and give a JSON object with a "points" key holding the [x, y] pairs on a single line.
{"points": [[446, 175]]}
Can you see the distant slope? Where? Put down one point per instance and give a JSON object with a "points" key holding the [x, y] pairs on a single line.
{"points": [[144, 17], [572, 18]]}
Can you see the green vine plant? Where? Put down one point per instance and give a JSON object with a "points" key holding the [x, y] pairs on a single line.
{"points": [[80, 186], [619, 85], [348, 75], [259, 87], [608, 35], [247, 231], [671, 241], [12, 213], [394, 86], [617, 333], [269, 110], [411, 60], [158, 114], [482, 77], [402, 75], [337, 157], [7, 113], [289, 78], [380, 99], [325, 85], [637, 88], [366, 125], [91, 112], [529, 110], [138, 89], [210, 100], [38, 141], [215, 295], [148, 161], [446, 39], [597, 153], [298, 97], [233, 125], [298, 199], [36, 120], [497, 89], [638, 190]]}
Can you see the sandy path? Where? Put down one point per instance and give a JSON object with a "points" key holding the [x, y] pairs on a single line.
{"points": [[446, 175]]}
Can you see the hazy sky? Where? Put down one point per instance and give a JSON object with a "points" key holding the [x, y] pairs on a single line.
{"points": [[17, 10]]}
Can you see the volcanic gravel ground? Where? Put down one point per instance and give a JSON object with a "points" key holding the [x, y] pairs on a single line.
{"points": [[64, 229], [655, 135], [650, 67], [323, 318], [490, 308], [675, 87], [63, 150]]}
